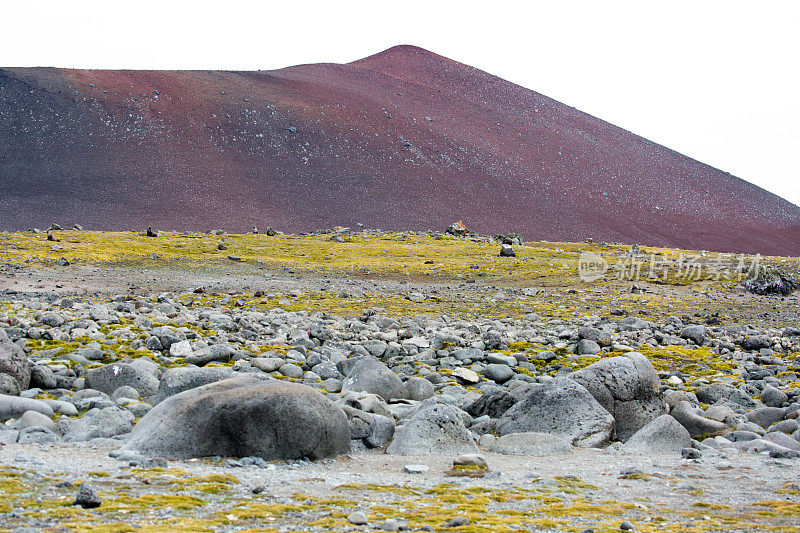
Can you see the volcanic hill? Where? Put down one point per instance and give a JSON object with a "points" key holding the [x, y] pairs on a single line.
{"points": [[405, 139]]}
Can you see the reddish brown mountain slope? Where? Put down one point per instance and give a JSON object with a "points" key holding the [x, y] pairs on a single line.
{"points": [[405, 139]]}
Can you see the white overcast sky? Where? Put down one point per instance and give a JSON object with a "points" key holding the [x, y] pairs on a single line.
{"points": [[716, 80]]}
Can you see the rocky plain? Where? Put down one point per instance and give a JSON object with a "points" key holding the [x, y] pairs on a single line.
{"points": [[362, 381]]}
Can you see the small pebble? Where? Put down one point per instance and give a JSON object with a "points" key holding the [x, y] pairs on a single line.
{"points": [[626, 526]]}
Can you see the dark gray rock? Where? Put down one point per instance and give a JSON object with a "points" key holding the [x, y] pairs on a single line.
{"points": [[368, 374], [561, 407], [43, 378], [494, 402], [242, 417], [627, 387], [14, 366], [109, 378], [436, 429], [87, 497], [696, 334]]}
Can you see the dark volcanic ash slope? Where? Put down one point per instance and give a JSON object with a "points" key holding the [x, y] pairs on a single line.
{"points": [[405, 139]]}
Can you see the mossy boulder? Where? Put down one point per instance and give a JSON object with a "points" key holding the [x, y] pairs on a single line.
{"points": [[627, 387]]}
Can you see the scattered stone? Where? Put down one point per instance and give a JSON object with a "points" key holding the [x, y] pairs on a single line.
{"points": [[507, 251], [470, 460], [458, 521], [415, 469], [357, 518], [87, 497]]}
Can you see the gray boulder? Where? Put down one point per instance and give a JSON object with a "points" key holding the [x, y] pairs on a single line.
{"points": [[243, 417], [419, 388], [494, 402], [37, 435], [498, 372], [436, 429], [36, 419], [691, 417], [662, 435], [367, 429], [782, 439], [43, 378], [97, 423], [177, 380], [627, 387], [109, 378], [530, 443], [14, 366], [773, 397], [765, 416], [696, 334], [561, 407], [368, 374], [716, 392], [15, 406], [221, 353], [587, 347]]}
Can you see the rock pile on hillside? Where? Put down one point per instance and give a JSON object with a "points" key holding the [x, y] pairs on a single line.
{"points": [[180, 376]]}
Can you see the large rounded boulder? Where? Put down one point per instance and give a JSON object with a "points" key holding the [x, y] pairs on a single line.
{"points": [[560, 407], [627, 387], [15, 374], [436, 429], [243, 417], [368, 374], [109, 378]]}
